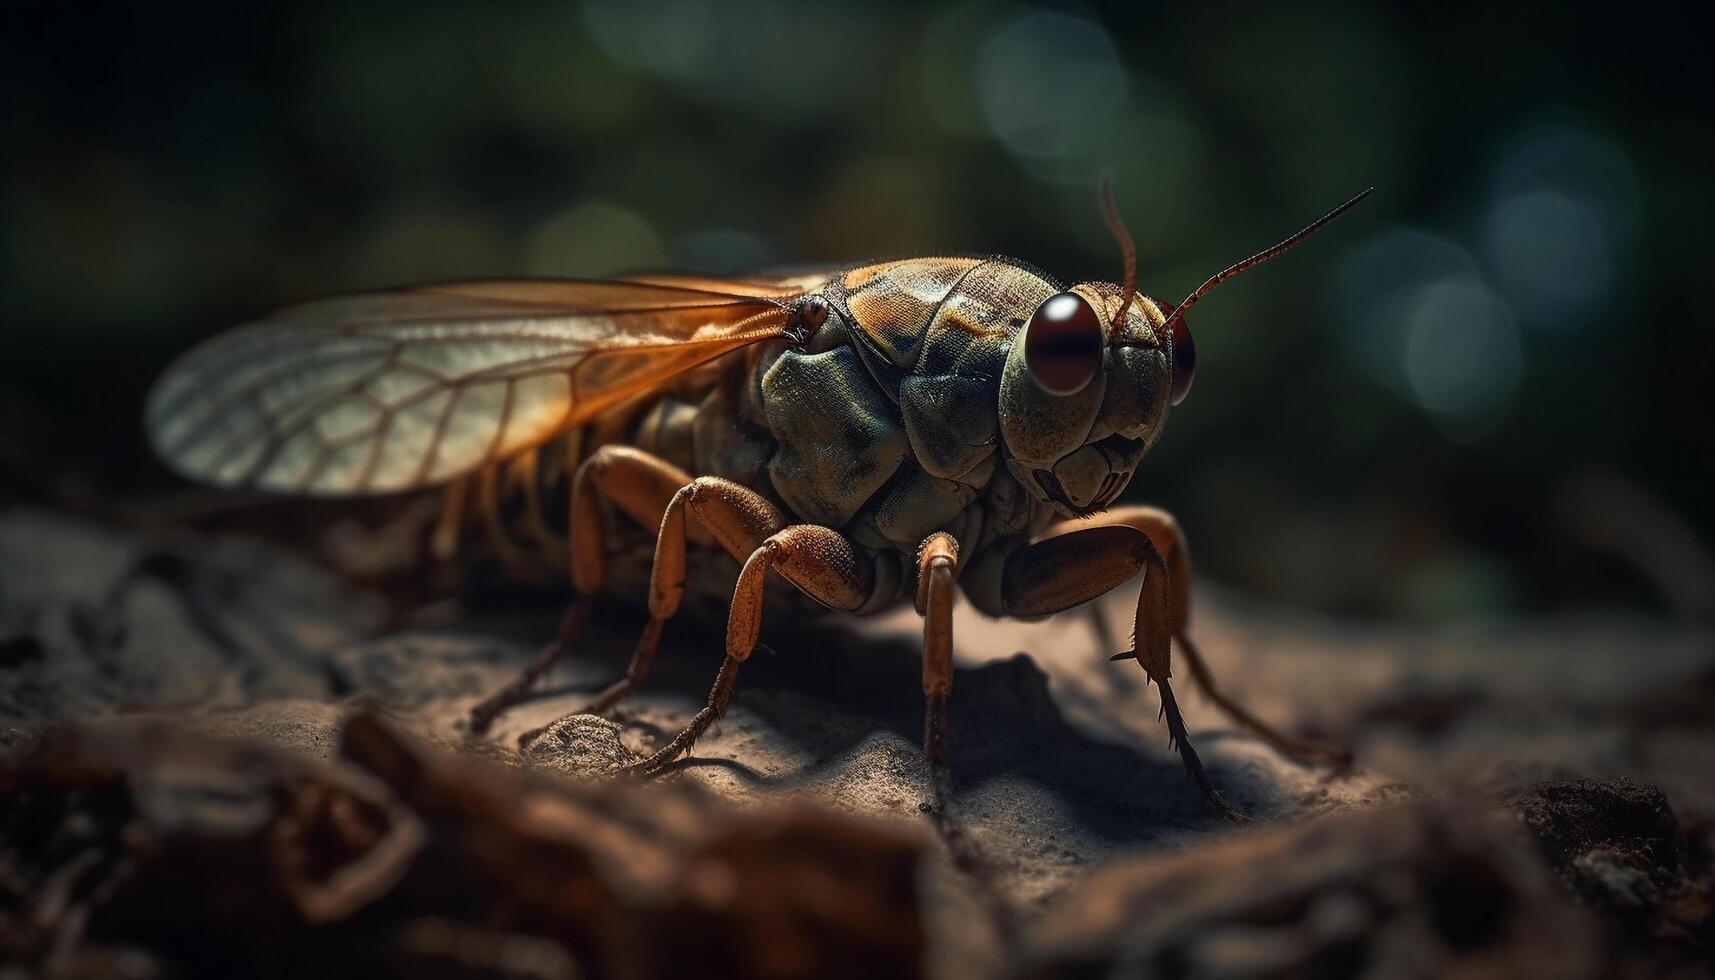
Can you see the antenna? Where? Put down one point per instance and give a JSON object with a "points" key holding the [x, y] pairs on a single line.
{"points": [[1127, 248], [1255, 260]]}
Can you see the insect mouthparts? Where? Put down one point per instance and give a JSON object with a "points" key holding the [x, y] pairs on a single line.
{"points": [[1109, 491], [1106, 494], [1050, 485]]}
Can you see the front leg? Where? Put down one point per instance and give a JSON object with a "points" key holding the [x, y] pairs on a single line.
{"points": [[1066, 569], [1163, 531]]}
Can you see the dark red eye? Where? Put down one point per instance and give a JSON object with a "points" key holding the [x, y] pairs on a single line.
{"points": [[1184, 356], [1063, 344]]}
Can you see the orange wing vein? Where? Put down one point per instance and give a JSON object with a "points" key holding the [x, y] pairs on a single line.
{"points": [[405, 389]]}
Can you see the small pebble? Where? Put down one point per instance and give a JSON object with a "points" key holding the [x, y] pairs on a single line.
{"points": [[580, 745]]}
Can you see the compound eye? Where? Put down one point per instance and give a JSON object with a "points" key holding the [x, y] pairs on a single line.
{"points": [[1063, 344], [1184, 357]]}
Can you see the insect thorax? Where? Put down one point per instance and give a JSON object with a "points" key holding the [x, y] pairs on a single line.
{"points": [[882, 424], [885, 421]]}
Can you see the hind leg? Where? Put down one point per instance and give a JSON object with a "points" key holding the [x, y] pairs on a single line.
{"points": [[736, 517], [636, 483]]}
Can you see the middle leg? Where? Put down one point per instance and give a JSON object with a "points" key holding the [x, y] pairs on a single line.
{"points": [[822, 563], [937, 567]]}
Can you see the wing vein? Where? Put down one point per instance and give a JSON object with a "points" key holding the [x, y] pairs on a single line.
{"points": [[439, 434], [395, 391], [499, 438], [250, 390], [278, 437]]}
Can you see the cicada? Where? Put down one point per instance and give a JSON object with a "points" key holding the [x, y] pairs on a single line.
{"points": [[870, 435]]}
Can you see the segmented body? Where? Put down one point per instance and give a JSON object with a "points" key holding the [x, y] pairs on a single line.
{"points": [[882, 423]]}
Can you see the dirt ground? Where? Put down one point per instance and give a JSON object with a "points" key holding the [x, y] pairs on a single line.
{"points": [[217, 761]]}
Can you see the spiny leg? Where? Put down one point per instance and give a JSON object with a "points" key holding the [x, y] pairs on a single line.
{"points": [[637, 483], [1336, 756], [1163, 531], [1178, 738], [737, 517], [1059, 572], [1122, 681], [822, 563]]}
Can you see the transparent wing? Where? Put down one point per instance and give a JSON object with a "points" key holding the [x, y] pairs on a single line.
{"points": [[398, 390]]}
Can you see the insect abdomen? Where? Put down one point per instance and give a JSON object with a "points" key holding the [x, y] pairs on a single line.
{"points": [[705, 425]]}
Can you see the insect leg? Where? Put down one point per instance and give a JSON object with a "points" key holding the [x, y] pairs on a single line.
{"points": [[1164, 532], [824, 564], [937, 563], [736, 516], [636, 483], [571, 627], [1069, 568]]}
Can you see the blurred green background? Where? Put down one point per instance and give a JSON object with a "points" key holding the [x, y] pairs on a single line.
{"points": [[1485, 390]]}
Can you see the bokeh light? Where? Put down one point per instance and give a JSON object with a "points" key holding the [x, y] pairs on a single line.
{"points": [[1563, 208], [592, 238], [1553, 257], [720, 250], [763, 57], [1050, 86], [1414, 313], [1462, 354]]}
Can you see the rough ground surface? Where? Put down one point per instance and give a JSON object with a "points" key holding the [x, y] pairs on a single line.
{"points": [[1092, 850]]}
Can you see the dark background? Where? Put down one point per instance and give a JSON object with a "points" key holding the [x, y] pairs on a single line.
{"points": [[1483, 391]]}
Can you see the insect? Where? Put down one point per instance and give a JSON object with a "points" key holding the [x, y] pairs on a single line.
{"points": [[871, 434]]}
